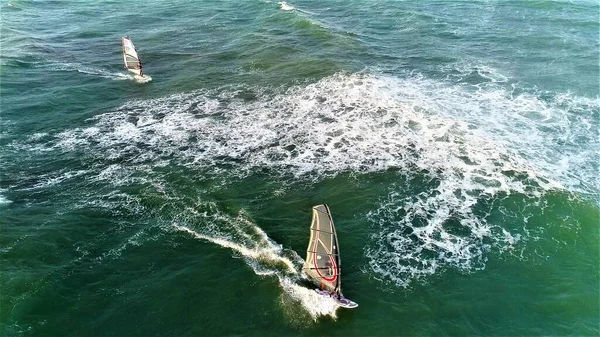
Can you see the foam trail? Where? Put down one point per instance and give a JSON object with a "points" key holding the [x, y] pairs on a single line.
{"points": [[99, 72], [269, 254], [266, 257]]}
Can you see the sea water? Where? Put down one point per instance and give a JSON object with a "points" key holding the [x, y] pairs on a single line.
{"points": [[456, 144]]}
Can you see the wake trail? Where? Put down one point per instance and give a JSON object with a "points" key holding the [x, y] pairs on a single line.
{"points": [[267, 258], [96, 72]]}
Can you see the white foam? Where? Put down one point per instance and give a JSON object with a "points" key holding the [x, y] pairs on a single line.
{"points": [[314, 304], [403, 250], [37, 136], [135, 240], [463, 70], [3, 199], [285, 6]]}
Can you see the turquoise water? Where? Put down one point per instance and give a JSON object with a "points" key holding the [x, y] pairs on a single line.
{"points": [[456, 144]]}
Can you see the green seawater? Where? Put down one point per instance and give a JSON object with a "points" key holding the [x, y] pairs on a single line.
{"points": [[456, 143]]}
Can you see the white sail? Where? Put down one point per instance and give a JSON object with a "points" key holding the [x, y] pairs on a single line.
{"points": [[131, 59], [323, 263], [322, 256]]}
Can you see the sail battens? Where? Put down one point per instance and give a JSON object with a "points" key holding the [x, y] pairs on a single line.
{"points": [[319, 210]]}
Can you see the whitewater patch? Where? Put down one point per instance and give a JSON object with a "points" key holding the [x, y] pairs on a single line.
{"points": [[361, 123], [143, 79]]}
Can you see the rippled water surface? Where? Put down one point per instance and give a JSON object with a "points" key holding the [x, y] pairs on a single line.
{"points": [[456, 144]]}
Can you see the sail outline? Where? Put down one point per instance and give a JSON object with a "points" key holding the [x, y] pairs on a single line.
{"points": [[323, 245], [131, 58]]}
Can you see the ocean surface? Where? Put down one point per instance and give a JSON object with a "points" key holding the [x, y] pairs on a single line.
{"points": [[456, 143]]}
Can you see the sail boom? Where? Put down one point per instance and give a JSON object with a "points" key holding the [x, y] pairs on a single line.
{"points": [[322, 231], [324, 268]]}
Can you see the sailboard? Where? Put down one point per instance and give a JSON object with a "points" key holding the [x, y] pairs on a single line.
{"points": [[323, 263], [131, 59]]}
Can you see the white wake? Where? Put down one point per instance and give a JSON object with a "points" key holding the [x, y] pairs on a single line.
{"points": [[266, 258]]}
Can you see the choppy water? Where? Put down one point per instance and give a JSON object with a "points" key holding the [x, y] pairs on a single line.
{"points": [[455, 142]]}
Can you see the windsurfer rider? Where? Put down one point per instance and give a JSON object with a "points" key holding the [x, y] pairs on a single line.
{"points": [[336, 295], [329, 267]]}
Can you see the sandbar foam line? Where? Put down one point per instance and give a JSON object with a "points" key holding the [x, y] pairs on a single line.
{"points": [[356, 122]]}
